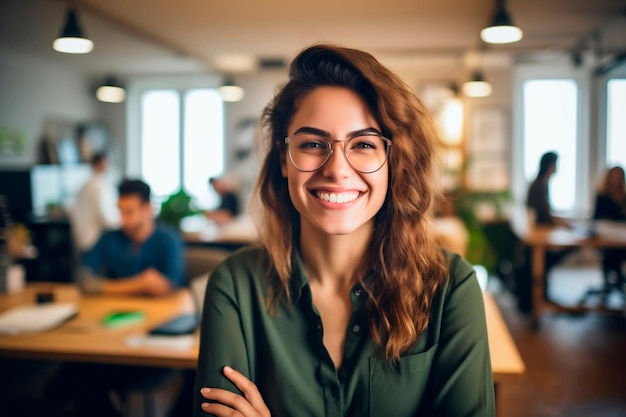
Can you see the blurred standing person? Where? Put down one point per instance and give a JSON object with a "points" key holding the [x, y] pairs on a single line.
{"points": [[94, 211]]}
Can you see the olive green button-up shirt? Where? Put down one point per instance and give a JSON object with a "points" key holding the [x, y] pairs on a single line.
{"points": [[447, 372]]}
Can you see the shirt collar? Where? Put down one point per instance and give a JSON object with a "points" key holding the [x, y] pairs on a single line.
{"points": [[298, 279]]}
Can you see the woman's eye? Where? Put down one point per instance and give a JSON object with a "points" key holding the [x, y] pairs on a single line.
{"points": [[363, 144], [312, 142], [312, 145]]}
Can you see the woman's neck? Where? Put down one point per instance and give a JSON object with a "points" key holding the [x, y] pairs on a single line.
{"points": [[332, 260]]}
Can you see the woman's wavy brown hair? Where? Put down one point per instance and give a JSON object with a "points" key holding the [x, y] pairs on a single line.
{"points": [[404, 265]]}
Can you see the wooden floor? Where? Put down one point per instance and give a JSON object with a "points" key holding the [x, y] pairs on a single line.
{"points": [[576, 364]]}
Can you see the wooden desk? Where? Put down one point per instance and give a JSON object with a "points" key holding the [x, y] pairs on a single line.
{"points": [[506, 362], [83, 339], [542, 238], [198, 231]]}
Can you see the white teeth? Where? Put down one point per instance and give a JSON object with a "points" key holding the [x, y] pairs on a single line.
{"points": [[338, 197]]}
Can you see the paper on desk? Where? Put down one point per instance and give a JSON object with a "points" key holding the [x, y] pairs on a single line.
{"points": [[36, 317], [183, 342], [611, 230]]}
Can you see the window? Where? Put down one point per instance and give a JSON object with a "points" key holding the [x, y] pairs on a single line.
{"points": [[182, 142], [550, 124], [616, 123]]}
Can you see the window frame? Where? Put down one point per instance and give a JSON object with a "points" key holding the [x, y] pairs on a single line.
{"points": [[181, 84], [586, 159]]}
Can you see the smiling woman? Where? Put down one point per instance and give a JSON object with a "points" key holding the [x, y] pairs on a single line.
{"points": [[349, 306]]}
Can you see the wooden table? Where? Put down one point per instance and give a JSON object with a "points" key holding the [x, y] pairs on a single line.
{"points": [[543, 238], [198, 231], [83, 339], [506, 363]]}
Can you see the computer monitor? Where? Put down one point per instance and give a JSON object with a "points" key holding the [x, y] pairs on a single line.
{"points": [[46, 187], [15, 185]]}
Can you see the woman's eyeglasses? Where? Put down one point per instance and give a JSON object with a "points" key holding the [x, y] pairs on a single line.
{"points": [[365, 153]]}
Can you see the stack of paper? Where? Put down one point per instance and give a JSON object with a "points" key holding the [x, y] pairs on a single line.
{"points": [[36, 317]]}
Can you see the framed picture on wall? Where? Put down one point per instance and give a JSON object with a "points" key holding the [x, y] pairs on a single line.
{"points": [[488, 131], [487, 166]]}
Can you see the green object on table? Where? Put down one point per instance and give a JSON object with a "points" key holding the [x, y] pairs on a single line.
{"points": [[123, 318]]}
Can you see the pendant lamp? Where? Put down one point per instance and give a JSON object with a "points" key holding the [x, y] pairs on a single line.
{"points": [[501, 29], [72, 40], [111, 91], [477, 87], [230, 91]]}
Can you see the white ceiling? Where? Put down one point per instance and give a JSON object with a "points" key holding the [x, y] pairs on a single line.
{"points": [[134, 37]]}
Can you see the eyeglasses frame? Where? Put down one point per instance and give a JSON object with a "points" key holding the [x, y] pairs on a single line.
{"points": [[331, 142]]}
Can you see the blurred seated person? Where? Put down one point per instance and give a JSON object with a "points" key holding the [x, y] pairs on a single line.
{"points": [[610, 204], [538, 198], [140, 258], [538, 201], [229, 201], [93, 210]]}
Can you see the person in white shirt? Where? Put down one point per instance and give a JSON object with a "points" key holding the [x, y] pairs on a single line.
{"points": [[94, 209]]}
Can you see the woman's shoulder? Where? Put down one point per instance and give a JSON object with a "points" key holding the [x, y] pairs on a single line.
{"points": [[460, 270], [461, 282], [247, 257], [244, 266]]}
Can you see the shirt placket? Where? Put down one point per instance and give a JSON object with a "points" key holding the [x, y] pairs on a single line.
{"points": [[335, 381]]}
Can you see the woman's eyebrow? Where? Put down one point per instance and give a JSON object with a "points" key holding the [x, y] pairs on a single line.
{"points": [[312, 130], [320, 132]]}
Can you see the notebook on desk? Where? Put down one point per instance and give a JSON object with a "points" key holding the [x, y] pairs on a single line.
{"points": [[36, 317]]}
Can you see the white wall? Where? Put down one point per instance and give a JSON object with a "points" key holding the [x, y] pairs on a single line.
{"points": [[35, 90]]}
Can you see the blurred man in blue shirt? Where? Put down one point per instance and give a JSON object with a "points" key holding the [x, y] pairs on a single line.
{"points": [[141, 258]]}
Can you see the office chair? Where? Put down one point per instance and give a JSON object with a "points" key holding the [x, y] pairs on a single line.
{"points": [[612, 267]]}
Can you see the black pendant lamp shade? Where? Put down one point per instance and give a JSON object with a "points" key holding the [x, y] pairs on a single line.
{"points": [[72, 40]]}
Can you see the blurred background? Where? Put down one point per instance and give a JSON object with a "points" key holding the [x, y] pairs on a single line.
{"points": [[191, 78]]}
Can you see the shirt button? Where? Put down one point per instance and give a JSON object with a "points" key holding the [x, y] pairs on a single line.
{"points": [[319, 326], [356, 328]]}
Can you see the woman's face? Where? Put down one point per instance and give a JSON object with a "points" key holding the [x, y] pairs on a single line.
{"points": [[616, 178], [335, 199]]}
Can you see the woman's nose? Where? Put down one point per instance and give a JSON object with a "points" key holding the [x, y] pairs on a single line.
{"points": [[337, 165]]}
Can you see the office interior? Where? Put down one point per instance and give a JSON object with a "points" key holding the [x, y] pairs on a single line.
{"points": [[51, 121]]}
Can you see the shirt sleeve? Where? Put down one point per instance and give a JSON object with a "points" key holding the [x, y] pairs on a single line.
{"points": [[222, 341], [461, 378]]}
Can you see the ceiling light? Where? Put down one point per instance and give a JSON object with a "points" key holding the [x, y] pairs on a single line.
{"points": [[232, 63], [72, 40], [111, 91], [477, 87], [501, 29], [230, 91]]}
